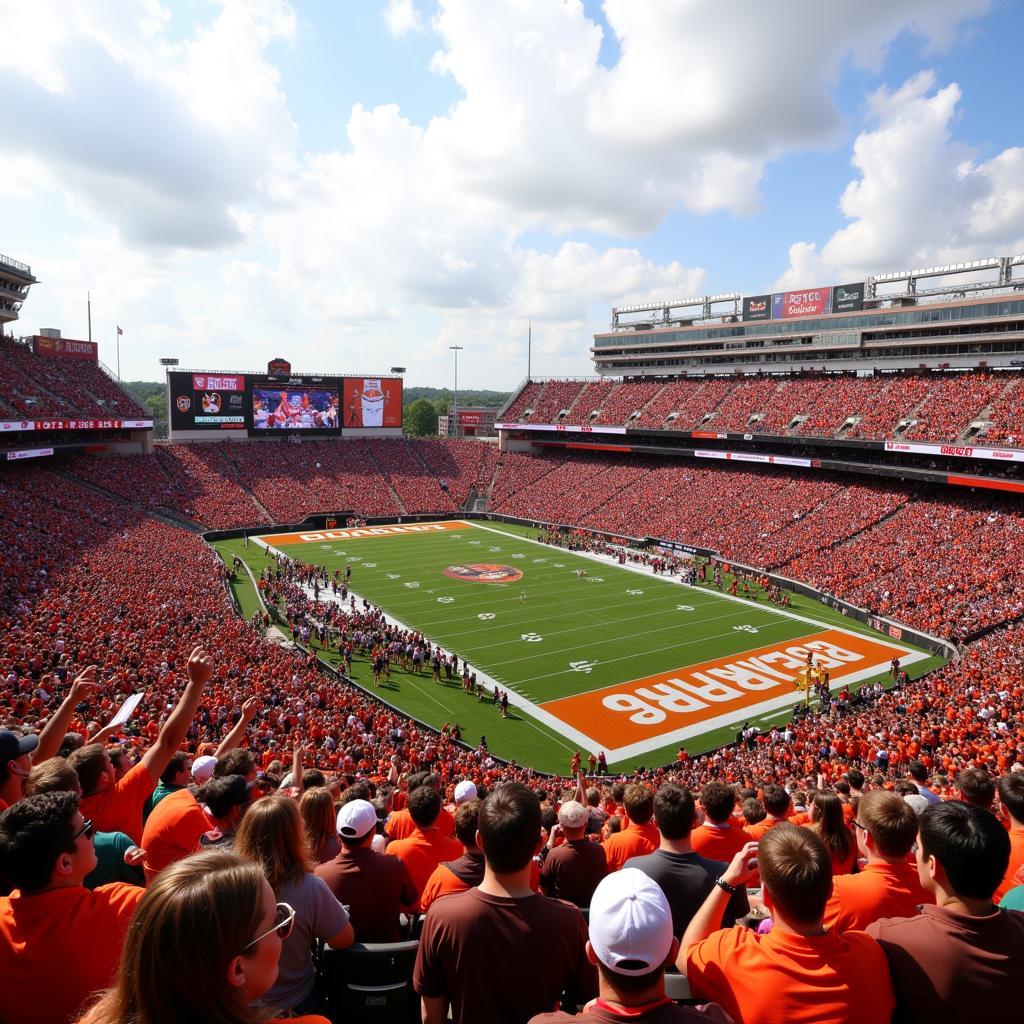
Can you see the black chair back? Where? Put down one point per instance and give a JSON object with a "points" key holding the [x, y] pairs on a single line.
{"points": [[370, 982]]}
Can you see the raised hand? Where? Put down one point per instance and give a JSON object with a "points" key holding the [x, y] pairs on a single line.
{"points": [[200, 666]]}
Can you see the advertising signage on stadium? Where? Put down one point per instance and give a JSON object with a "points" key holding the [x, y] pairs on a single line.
{"points": [[847, 298], [810, 302], [757, 307], [278, 366], [957, 451], [372, 402], [65, 348]]}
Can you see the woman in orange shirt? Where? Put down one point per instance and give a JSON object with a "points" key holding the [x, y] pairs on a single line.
{"points": [[826, 818], [235, 929]]}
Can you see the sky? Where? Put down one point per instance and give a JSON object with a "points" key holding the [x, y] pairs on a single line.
{"points": [[361, 184]]}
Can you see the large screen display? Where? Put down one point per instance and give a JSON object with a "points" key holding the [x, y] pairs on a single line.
{"points": [[294, 408], [810, 302], [372, 402], [268, 403]]}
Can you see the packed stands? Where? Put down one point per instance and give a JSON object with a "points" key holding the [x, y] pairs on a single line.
{"points": [[933, 407], [39, 387]]}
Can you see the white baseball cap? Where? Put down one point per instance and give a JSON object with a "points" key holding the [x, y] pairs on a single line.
{"points": [[464, 791], [630, 923], [356, 819], [572, 814], [202, 768]]}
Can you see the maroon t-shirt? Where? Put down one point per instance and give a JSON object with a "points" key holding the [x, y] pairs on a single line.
{"points": [[503, 960], [572, 871], [953, 967], [375, 887], [659, 1013]]}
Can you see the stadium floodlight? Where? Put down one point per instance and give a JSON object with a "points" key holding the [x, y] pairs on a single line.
{"points": [[455, 405]]}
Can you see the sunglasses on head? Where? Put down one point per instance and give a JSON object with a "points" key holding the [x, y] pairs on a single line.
{"points": [[284, 921]]}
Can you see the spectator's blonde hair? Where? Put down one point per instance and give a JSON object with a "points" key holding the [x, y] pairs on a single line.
{"points": [[796, 869], [890, 820], [196, 916], [271, 835]]}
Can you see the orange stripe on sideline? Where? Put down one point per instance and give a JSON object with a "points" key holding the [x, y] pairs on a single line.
{"points": [[396, 530], [627, 713]]}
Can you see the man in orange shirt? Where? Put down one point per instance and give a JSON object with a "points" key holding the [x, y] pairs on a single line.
{"points": [[59, 942], [777, 803], [173, 831], [465, 872], [400, 825], [117, 805], [1011, 796], [720, 837], [799, 973], [640, 836], [426, 847], [886, 827]]}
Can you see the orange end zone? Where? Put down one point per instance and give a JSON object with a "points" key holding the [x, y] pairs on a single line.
{"points": [[627, 713], [276, 539]]}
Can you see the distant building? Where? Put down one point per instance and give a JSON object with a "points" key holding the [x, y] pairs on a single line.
{"points": [[474, 421]]}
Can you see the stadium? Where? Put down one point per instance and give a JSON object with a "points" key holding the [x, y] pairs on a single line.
{"points": [[687, 688]]}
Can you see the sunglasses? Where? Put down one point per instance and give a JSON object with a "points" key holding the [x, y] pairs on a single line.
{"points": [[284, 921], [863, 828], [86, 830]]}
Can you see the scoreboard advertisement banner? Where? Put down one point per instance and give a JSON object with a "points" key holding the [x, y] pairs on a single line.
{"points": [[757, 307], [372, 402], [65, 348], [810, 302], [847, 298], [271, 404]]}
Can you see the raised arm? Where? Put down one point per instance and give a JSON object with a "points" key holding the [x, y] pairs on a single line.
{"points": [[234, 737], [158, 757], [56, 728]]}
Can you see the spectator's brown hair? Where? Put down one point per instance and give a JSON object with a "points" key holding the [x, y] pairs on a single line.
{"points": [[271, 835], [796, 869], [424, 806], [237, 762], [718, 801], [830, 824], [89, 763], [753, 810], [889, 820], [977, 787], [467, 821], [52, 776], [1011, 794], [509, 827], [639, 803], [776, 800], [319, 820], [216, 901]]}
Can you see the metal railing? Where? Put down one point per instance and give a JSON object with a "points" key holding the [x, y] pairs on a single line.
{"points": [[23, 267]]}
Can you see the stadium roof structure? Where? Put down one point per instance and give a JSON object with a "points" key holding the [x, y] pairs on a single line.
{"points": [[15, 280]]}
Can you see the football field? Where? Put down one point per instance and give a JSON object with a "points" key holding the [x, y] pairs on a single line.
{"points": [[594, 656]]}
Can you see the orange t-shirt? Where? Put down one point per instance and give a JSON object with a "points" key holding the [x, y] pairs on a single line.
{"points": [[1016, 861], [719, 842], [443, 882], [119, 809], [633, 841], [781, 978], [757, 831], [400, 825], [172, 831], [880, 890], [59, 947], [422, 852]]}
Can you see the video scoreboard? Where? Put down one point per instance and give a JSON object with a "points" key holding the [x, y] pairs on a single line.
{"points": [[279, 403]]}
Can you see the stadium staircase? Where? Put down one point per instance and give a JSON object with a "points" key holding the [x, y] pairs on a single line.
{"points": [[233, 469], [165, 515], [394, 494]]}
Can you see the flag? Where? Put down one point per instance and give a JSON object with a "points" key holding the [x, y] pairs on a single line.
{"points": [[119, 332]]}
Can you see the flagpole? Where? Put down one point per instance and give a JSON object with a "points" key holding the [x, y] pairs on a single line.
{"points": [[529, 347], [88, 310], [118, 336]]}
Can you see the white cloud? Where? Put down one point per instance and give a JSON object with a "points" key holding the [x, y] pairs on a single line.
{"points": [[402, 17], [921, 197]]}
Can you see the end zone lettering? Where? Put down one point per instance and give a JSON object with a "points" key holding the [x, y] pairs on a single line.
{"points": [[362, 531]]}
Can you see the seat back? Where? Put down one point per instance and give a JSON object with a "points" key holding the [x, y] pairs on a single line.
{"points": [[370, 982], [677, 986]]}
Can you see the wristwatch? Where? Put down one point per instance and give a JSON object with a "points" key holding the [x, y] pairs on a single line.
{"points": [[726, 887]]}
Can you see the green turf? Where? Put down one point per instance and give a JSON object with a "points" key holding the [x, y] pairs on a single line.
{"points": [[621, 625]]}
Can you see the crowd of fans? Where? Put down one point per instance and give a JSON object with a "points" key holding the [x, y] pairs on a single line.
{"points": [[920, 407], [41, 387], [256, 805]]}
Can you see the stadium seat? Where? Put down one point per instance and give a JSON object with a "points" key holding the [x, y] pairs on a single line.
{"points": [[677, 986], [370, 982]]}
